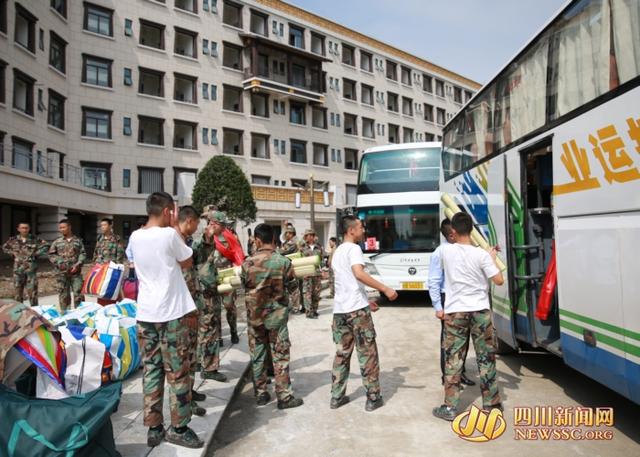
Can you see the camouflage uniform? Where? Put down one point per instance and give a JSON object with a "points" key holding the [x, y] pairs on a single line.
{"points": [[291, 247], [25, 253], [108, 250], [268, 278], [457, 327], [229, 298], [191, 278], [332, 277], [311, 285], [64, 254], [208, 352], [355, 328]]}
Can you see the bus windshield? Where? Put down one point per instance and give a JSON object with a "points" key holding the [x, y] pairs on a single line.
{"points": [[399, 170], [401, 228]]}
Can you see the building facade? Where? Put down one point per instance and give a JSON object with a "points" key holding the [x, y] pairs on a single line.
{"points": [[105, 101]]}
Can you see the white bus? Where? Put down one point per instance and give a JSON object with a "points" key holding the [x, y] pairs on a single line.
{"points": [[398, 201], [546, 159]]}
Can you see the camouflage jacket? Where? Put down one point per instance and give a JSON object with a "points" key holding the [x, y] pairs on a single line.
{"points": [[289, 247], [65, 253], [268, 280], [108, 249], [25, 252], [204, 262], [308, 251]]}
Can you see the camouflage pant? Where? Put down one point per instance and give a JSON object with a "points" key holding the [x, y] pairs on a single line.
{"points": [[294, 299], [311, 293], [457, 327], [209, 333], [65, 284], [229, 303], [349, 329], [166, 348], [276, 341], [332, 282], [26, 281]]}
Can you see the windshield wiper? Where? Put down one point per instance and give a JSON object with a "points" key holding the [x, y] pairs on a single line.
{"points": [[378, 253]]}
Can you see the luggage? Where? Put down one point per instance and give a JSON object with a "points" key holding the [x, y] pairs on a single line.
{"points": [[104, 281]]}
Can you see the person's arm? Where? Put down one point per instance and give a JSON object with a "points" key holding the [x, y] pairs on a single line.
{"points": [[119, 252], [366, 279], [434, 281], [43, 247], [7, 248], [55, 259], [182, 253], [491, 269], [290, 281]]}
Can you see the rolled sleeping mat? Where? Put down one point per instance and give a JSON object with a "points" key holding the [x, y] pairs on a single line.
{"points": [[313, 260], [294, 255], [233, 271], [233, 281], [225, 288], [307, 270]]}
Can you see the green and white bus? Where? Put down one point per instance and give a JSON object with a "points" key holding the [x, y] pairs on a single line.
{"points": [[546, 159]]}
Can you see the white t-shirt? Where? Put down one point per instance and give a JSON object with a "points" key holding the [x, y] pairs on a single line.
{"points": [[350, 294], [162, 294], [467, 270]]}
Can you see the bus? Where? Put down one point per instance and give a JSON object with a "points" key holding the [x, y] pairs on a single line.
{"points": [[398, 202], [546, 159]]}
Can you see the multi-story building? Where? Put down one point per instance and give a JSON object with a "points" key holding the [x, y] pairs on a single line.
{"points": [[105, 101]]}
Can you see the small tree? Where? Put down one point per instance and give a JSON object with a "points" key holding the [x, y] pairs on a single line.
{"points": [[222, 183]]}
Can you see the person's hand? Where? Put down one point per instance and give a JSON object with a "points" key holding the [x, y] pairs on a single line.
{"points": [[390, 293], [74, 269], [174, 216], [493, 251], [373, 306], [440, 314]]}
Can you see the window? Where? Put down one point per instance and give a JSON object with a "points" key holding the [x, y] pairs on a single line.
{"points": [[467, 95], [98, 19], [296, 36], [407, 135], [232, 98], [441, 116], [128, 27], [392, 102], [320, 154], [187, 5], [259, 23], [260, 146], [349, 89], [318, 117], [3, 82], [429, 137], [184, 179], [96, 71], [231, 56], [350, 124], [150, 180], [427, 83], [151, 34], [60, 6], [259, 104], [25, 28], [3, 16], [185, 88], [57, 52], [128, 77], [367, 94], [151, 82], [151, 130], [22, 154], [298, 151], [55, 116], [126, 126], [126, 178], [394, 133], [185, 135], [96, 123], [350, 159], [407, 106], [205, 91], [392, 70], [405, 75], [96, 175], [214, 137], [317, 44], [366, 61], [214, 92], [298, 77], [348, 55], [186, 43], [23, 85], [368, 128], [439, 88], [337, 119], [351, 191], [232, 14], [297, 113], [428, 112], [261, 180], [232, 142]]}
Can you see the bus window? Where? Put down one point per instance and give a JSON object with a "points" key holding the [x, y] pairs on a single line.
{"points": [[626, 38]]}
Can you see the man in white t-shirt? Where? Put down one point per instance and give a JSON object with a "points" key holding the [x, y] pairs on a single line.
{"points": [[467, 271], [165, 313], [352, 322]]}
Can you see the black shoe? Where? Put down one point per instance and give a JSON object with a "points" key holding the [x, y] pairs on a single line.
{"points": [[496, 406], [197, 396], [188, 438], [466, 381], [155, 436], [197, 410], [303, 310], [312, 316], [373, 404], [270, 372], [291, 402], [234, 338], [338, 402], [221, 343], [215, 375], [445, 412], [263, 399]]}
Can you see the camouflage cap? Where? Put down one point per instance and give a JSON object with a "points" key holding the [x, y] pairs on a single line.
{"points": [[217, 216], [309, 232], [290, 229]]}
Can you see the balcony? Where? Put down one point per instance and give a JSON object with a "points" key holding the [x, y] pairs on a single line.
{"points": [[284, 69]]}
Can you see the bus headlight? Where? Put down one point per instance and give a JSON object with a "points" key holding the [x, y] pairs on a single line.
{"points": [[371, 268]]}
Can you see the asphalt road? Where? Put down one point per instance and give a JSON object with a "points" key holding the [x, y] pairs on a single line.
{"points": [[408, 339]]}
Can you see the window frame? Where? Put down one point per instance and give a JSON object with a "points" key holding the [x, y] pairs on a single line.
{"points": [[109, 113], [84, 79], [32, 20], [52, 94], [30, 93], [143, 168], [102, 9], [97, 165], [55, 38], [153, 25], [302, 143]]}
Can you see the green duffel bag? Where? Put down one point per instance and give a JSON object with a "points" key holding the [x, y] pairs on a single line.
{"points": [[78, 426]]}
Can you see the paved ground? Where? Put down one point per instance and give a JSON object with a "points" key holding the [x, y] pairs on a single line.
{"points": [[408, 337]]}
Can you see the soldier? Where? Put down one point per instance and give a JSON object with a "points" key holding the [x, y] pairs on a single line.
{"points": [[311, 284], [67, 256], [25, 249], [108, 249], [209, 320], [187, 225], [332, 279], [218, 219], [290, 246], [267, 277]]}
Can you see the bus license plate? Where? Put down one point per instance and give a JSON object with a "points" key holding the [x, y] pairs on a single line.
{"points": [[413, 285]]}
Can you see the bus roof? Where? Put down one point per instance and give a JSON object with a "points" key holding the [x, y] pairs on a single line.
{"points": [[395, 147]]}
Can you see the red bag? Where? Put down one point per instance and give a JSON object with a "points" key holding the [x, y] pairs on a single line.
{"points": [[548, 289], [130, 285], [234, 251]]}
